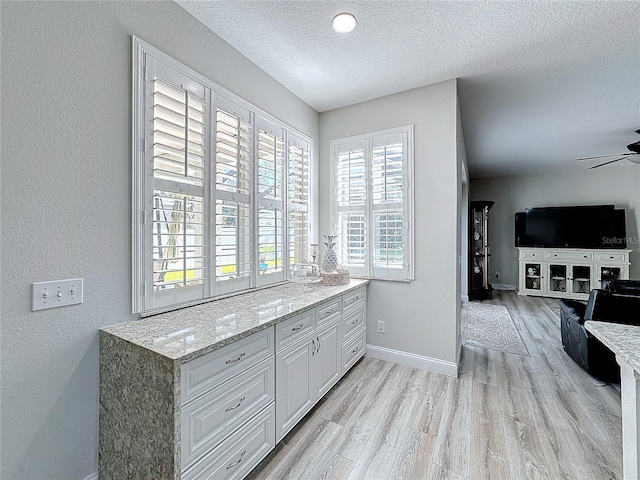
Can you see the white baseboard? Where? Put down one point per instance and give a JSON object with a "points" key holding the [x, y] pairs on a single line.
{"points": [[497, 286], [464, 298], [92, 476], [412, 360]]}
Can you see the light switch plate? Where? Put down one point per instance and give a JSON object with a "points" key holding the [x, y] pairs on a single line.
{"points": [[57, 293]]}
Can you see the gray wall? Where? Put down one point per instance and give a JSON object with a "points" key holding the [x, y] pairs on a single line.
{"points": [[463, 222], [619, 185], [422, 316], [66, 203]]}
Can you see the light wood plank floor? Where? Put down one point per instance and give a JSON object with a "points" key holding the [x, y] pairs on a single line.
{"points": [[506, 417]]}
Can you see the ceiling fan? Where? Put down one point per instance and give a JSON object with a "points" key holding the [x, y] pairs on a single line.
{"points": [[633, 155]]}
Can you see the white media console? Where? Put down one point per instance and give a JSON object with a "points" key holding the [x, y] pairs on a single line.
{"points": [[568, 272]]}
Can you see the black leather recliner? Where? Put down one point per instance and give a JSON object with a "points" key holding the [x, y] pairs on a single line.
{"points": [[618, 301]]}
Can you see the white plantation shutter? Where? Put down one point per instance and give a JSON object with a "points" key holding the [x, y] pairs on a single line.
{"points": [[220, 189], [298, 199], [372, 203], [271, 188], [351, 196], [387, 187], [176, 149], [233, 188]]}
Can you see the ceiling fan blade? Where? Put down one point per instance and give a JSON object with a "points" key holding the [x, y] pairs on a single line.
{"points": [[606, 163], [603, 156]]}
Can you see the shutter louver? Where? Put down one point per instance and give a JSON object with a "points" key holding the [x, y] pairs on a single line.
{"points": [[233, 154], [233, 240], [352, 234], [178, 250], [352, 180], [388, 238], [178, 135]]}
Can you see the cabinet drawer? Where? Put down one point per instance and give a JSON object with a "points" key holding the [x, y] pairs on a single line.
{"points": [[207, 420], [353, 350], [531, 254], [211, 369], [237, 456], [612, 257], [295, 328], [569, 256], [328, 311], [353, 297], [353, 320]]}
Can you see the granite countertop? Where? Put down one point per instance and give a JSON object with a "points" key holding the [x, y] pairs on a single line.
{"points": [[187, 333], [623, 340]]}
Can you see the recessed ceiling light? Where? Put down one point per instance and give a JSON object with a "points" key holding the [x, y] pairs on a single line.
{"points": [[344, 23]]}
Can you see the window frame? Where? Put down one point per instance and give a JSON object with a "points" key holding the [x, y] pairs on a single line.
{"points": [[142, 184], [369, 270]]}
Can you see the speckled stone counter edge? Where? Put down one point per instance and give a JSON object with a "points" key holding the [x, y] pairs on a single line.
{"points": [[203, 319], [139, 412]]}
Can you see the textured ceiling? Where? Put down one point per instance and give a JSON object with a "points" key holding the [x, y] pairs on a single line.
{"points": [[540, 83]]}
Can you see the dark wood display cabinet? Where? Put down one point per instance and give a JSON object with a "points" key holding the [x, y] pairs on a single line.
{"points": [[479, 284]]}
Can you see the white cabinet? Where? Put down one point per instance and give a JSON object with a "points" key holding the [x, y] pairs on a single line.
{"points": [[227, 414], [326, 363], [307, 368], [568, 273], [354, 328], [294, 387], [214, 411], [210, 418], [236, 457]]}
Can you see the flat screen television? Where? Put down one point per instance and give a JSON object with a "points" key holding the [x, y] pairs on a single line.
{"points": [[592, 226]]}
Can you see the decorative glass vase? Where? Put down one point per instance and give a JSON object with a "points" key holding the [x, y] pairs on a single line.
{"points": [[329, 257]]}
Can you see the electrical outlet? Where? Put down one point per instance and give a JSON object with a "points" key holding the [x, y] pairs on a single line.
{"points": [[381, 326], [58, 293]]}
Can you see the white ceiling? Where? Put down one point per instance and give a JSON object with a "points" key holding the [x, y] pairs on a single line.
{"points": [[540, 83]]}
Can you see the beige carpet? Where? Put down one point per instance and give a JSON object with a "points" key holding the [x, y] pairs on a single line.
{"points": [[491, 326]]}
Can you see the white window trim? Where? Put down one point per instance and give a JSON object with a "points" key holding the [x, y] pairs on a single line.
{"points": [[138, 275], [407, 272]]}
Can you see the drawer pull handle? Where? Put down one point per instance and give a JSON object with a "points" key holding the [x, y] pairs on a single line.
{"points": [[228, 409], [355, 350], [329, 312], [319, 343], [355, 321], [313, 342], [610, 257], [238, 462], [234, 360], [299, 327]]}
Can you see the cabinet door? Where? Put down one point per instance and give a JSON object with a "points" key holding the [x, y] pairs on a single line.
{"points": [[580, 282], [326, 361], [557, 275], [531, 277], [294, 386], [604, 273]]}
